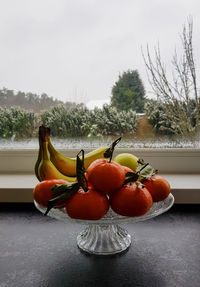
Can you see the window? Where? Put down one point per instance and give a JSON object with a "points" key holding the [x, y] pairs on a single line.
{"points": [[58, 63]]}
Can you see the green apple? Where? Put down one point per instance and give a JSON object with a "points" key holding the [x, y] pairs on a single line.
{"points": [[127, 159]]}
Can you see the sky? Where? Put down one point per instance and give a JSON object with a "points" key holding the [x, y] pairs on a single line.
{"points": [[75, 50]]}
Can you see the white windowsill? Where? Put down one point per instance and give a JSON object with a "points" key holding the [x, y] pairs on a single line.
{"points": [[176, 161], [180, 167], [19, 187]]}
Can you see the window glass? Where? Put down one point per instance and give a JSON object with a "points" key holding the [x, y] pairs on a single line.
{"points": [[96, 70]]}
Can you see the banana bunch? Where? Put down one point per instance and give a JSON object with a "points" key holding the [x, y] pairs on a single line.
{"points": [[51, 164]]}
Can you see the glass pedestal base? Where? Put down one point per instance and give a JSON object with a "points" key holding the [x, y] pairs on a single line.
{"points": [[104, 239], [105, 236]]}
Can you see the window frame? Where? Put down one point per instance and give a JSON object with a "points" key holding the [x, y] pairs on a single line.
{"points": [[166, 160], [180, 166]]}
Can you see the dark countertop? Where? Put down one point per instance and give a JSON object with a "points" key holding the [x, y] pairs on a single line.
{"points": [[41, 251]]}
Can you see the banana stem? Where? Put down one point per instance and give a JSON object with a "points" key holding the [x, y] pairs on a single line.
{"points": [[44, 133], [45, 154], [51, 148]]}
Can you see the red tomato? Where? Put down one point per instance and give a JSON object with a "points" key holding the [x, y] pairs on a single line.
{"points": [[158, 186], [90, 205], [42, 192], [131, 200], [127, 169], [106, 176]]}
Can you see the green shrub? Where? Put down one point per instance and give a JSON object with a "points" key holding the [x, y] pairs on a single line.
{"points": [[79, 121], [170, 118], [66, 122], [17, 122], [108, 121]]}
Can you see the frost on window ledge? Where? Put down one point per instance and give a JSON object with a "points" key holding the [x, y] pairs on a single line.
{"points": [[93, 142]]}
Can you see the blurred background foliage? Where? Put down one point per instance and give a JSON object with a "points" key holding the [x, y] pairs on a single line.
{"points": [[17, 123], [76, 120], [80, 121], [175, 111]]}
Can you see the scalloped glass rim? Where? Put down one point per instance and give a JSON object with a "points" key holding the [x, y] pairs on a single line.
{"points": [[111, 217]]}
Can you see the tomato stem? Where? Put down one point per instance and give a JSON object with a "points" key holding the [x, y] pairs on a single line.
{"points": [[61, 192], [139, 184], [132, 176], [80, 171], [142, 168], [109, 152]]}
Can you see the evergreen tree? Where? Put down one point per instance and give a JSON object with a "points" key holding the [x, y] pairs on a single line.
{"points": [[128, 92]]}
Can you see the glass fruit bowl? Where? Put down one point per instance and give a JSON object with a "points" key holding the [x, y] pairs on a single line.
{"points": [[105, 236]]}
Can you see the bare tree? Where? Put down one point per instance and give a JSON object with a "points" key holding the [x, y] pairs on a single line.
{"points": [[181, 91]]}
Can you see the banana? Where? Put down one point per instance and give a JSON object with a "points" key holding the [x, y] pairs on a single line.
{"points": [[39, 157], [66, 165], [38, 162], [47, 170]]}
